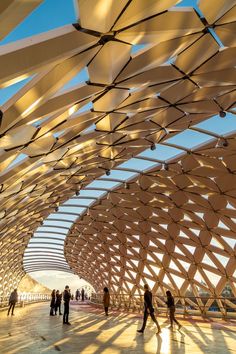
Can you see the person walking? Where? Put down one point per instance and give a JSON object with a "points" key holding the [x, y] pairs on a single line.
{"points": [[12, 302], [171, 307], [58, 302], [148, 310], [106, 300], [52, 303], [66, 298]]}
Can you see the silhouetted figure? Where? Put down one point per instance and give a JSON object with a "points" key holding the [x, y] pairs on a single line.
{"points": [[148, 310], [12, 302], [77, 295], [106, 300], [171, 306], [82, 294], [66, 298], [58, 302], [53, 302]]}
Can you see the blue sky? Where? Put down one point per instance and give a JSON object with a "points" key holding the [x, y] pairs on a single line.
{"points": [[44, 18], [56, 16]]}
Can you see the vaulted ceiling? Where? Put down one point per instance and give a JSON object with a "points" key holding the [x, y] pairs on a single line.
{"points": [[155, 70], [172, 226]]}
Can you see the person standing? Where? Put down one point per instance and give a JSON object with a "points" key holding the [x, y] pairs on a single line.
{"points": [[52, 303], [66, 298], [106, 300], [148, 310], [77, 295], [171, 306], [12, 302], [82, 294], [58, 302]]}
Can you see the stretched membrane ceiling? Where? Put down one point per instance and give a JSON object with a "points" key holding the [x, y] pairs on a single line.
{"points": [[155, 71]]}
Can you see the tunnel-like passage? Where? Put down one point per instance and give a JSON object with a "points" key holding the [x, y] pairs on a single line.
{"points": [[117, 146]]}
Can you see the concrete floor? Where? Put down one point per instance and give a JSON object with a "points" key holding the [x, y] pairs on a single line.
{"points": [[33, 331]]}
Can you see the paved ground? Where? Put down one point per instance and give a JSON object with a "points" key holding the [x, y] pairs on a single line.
{"points": [[33, 331]]}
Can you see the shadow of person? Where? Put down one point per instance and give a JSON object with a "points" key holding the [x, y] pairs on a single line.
{"points": [[159, 343], [147, 339], [177, 342]]}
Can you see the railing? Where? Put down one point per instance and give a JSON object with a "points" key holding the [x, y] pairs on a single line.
{"points": [[24, 298], [224, 307]]}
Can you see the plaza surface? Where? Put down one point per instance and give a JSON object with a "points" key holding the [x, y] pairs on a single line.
{"points": [[33, 331]]}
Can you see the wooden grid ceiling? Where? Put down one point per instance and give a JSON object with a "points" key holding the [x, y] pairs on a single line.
{"points": [[184, 74], [172, 227]]}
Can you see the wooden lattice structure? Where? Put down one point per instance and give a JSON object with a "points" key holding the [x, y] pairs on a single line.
{"points": [[183, 74], [172, 227]]}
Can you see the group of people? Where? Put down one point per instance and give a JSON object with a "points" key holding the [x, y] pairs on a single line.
{"points": [[55, 304], [79, 294], [148, 308], [56, 299]]}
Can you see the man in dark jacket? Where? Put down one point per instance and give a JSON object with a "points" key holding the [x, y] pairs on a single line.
{"points": [[148, 310], [82, 294], [12, 302], [66, 298]]}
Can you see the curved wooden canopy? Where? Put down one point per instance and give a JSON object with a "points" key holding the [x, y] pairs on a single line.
{"points": [[51, 147]]}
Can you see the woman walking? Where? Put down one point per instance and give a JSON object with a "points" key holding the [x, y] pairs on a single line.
{"points": [[106, 300], [52, 303], [171, 306]]}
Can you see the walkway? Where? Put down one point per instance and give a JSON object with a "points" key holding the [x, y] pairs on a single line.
{"points": [[32, 331]]}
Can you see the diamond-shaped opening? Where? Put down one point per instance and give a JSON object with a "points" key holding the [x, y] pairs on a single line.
{"points": [[178, 250], [182, 234], [150, 283], [223, 225], [195, 231], [185, 265], [213, 278], [216, 243], [191, 249], [155, 269], [127, 275], [173, 265], [230, 241], [223, 260], [178, 280], [159, 255], [207, 260], [135, 262]]}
